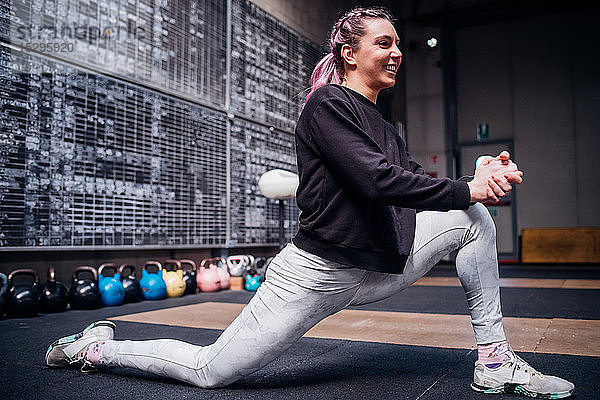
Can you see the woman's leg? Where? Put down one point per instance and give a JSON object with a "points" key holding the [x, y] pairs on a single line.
{"points": [[300, 290], [472, 232]]}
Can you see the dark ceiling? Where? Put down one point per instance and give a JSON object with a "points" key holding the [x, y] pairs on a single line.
{"points": [[473, 12]]}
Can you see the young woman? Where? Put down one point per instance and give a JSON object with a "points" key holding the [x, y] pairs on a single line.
{"points": [[360, 238]]}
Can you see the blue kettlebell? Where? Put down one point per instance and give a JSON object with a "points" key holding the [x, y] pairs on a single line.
{"points": [[112, 291], [152, 284], [252, 280], [3, 288]]}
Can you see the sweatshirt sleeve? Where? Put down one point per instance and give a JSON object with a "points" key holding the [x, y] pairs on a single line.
{"points": [[415, 167], [358, 161]]}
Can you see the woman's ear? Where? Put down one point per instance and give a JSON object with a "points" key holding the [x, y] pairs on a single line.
{"points": [[348, 55]]}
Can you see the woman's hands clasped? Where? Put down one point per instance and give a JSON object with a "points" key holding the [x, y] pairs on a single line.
{"points": [[494, 178]]}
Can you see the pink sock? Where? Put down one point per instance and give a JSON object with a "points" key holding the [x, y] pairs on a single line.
{"points": [[492, 355], [94, 353]]}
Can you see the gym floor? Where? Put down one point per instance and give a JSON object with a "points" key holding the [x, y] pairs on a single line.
{"points": [[416, 345]]}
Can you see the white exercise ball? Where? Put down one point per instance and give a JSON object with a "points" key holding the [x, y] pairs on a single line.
{"points": [[278, 184]]}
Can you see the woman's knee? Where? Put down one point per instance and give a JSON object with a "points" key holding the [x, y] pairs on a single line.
{"points": [[211, 382], [481, 218]]}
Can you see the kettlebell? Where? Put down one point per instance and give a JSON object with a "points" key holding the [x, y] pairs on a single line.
{"points": [[84, 294], [3, 288], [189, 276], [112, 291], [133, 291], [250, 258], [260, 265], [174, 279], [208, 278], [237, 265], [152, 284], [54, 297], [252, 280], [23, 300], [223, 274]]}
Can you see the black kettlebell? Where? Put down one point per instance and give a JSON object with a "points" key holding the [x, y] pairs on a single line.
{"points": [[189, 276], [54, 295], [133, 291], [84, 294], [3, 288], [260, 265], [23, 300]]}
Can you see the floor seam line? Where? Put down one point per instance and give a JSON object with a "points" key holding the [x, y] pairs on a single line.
{"points": [[543, 336], [444, 375]]}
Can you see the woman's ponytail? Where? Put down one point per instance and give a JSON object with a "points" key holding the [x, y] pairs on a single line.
{"points": [[325, 72]]}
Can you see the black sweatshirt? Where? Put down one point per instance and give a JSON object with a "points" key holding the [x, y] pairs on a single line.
{"points": [[359, 188]]}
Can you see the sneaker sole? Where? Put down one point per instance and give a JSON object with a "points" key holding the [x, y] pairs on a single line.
{"points": [[63, 342], [518, 389]]}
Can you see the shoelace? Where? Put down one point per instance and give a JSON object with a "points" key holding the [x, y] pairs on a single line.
{"points": [[519, 364], [86, 366], [523, 365]]}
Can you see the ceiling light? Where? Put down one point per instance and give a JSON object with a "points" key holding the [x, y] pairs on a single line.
{"points": [[433, 42]]}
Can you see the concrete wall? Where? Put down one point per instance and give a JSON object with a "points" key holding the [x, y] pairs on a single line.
{"points": [[535, 80], [425, 129], [312, 19]]}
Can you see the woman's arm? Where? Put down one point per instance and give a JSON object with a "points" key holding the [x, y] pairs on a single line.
{"points": [[358, 161]]}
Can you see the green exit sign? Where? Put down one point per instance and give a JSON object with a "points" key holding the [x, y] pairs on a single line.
{"points": [[483, 132]]}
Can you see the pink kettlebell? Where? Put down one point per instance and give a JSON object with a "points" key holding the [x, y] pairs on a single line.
{"points": [[208, 278], [223, 274]]}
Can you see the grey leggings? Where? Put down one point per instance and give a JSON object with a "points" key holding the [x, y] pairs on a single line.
{"points": [[301, 289]]}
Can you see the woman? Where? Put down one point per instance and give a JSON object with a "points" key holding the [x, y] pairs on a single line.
{"points": [[360, 238]]}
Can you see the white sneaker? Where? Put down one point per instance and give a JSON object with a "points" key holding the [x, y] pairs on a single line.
{"points": [[70, 350], [516, 376]]}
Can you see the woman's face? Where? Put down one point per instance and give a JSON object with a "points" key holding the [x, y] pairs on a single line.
{"points": [[378, 56]]}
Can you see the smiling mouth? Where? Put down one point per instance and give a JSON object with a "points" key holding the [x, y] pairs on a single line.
{"points": [[390, 68]]}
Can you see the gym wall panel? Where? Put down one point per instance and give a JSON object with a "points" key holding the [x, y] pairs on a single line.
{"points": [[91, 161], [125, 141], [256, 150], [174, 45], [310, 18], [271, 67]]}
